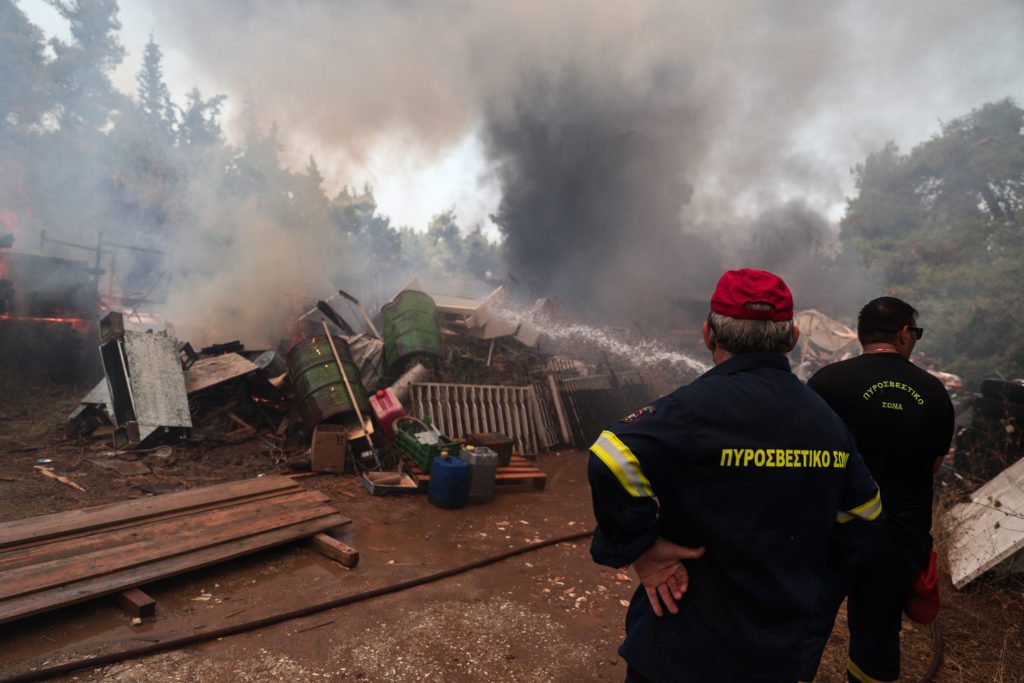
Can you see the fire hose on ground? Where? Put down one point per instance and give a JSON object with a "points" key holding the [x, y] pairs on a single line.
{"points": [[309, 610]]}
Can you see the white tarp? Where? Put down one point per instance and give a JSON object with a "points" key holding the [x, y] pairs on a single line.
{"points": [[825, 334], [990, 528]]}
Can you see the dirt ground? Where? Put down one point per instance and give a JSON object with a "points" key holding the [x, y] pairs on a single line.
{"points": [[549, 615]]}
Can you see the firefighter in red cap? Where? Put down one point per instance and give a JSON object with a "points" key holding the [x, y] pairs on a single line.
{"points": [[733, 490]]}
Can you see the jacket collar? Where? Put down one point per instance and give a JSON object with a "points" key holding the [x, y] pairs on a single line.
{"points": [[751, 361]]}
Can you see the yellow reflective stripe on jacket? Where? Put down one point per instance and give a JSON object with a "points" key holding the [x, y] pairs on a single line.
{"points": [[867, 511], [855, 671], [620, 460]]}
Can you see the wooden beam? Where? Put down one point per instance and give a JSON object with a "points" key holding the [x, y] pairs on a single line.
{"points": [[191, 534], [87, 589], [135, 603], [161, 526], [84, 519], [335, 549]]}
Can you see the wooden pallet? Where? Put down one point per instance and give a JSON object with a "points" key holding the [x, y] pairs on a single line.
{"points": [[55, 560], [518, 471]]}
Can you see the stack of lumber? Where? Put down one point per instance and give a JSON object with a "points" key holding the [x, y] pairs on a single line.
{"points": [[55, 560]]}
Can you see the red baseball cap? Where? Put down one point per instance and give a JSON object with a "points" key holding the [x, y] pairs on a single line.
{"points": [[738, 287]]}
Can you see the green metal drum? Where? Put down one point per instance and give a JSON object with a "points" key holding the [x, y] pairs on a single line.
{"points": [[319, 388], [410, 327]]}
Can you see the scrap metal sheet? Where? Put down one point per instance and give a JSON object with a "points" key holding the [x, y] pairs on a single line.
{"points": [[990, 528]]}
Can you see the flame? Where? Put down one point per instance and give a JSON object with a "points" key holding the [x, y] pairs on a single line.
{"points": [[78, 324]]}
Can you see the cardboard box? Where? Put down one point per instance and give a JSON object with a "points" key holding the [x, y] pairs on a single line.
{"points": [[327, 453]]}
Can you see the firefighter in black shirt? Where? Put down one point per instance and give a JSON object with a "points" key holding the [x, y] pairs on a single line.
{"points": [[748, 477], [902, 419]]}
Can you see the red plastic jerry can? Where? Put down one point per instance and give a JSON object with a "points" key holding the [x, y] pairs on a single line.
{"points": [[386, 408]]}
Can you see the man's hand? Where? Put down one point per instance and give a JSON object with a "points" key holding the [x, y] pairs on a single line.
{"points": [[663, 574]]}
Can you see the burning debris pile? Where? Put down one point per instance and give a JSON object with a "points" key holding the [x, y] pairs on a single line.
{"points": [[46, 305], [429, 375]]}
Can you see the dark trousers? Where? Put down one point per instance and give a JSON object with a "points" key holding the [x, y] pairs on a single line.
{"points": [[634, 676], [876, 591]]}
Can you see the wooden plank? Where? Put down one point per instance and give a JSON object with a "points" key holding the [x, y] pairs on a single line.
{"points": [[519, 476], [17, 549], [539, 479], [206, 372], [79, 591], [505, 475], [335, 549], [161, 526], [195, 533], [46, 526], [135, 603]]}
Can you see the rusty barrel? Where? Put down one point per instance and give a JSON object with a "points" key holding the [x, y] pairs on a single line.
{"points": [[319, 388]]}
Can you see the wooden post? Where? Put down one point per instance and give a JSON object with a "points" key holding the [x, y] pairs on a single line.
{"points": [[335, 549], [135, 603], [348, 387], [556, 399]]}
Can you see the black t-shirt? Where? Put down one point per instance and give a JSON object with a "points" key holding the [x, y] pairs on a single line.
{"points": [[902, 420]]}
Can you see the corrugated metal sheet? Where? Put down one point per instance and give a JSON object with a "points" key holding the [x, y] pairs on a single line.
{"points": [[593, 402], [146, 383]]}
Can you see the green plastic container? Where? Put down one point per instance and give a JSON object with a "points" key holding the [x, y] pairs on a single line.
{"points": [[319, 388], [423, 454], [410, 327]]}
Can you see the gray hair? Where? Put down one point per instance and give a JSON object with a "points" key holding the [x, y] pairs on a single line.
{"points": [[739, 335]]}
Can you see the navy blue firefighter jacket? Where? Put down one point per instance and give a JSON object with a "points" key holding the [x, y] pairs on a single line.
{"points": [[754, 466]]}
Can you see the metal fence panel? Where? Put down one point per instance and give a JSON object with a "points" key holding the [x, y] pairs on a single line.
{"points": [[460, 409]]}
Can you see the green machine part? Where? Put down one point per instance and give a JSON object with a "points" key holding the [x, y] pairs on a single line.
{"points": [[410, 327]]}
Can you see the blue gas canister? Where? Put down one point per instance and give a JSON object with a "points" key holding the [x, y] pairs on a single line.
{"points": [[449, 482]]}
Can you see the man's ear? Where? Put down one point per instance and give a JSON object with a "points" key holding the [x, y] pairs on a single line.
{"points": [[796, 336], [709, 336], [905, 341], [904, 336]]}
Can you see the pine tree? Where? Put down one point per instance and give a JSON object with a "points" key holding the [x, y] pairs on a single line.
{"points": [[200, 121], [154, 99], [24, 91], [82, 68]]}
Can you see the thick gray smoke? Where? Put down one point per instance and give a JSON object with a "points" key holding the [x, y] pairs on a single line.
{"points": [[638, 147], [593, 184], [626, 138]]}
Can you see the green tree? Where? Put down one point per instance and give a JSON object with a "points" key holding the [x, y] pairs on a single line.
{"points": [[199, 125], [154, 99], [24, 88], [308, 194], [81, 69], [443, 242], [355, 216], [941, 227], [145, 168]]}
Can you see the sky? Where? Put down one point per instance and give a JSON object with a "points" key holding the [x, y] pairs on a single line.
{"points": [[407, 88]]}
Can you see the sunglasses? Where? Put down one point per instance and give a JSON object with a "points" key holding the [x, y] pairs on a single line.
{"points": [[918, 331]]}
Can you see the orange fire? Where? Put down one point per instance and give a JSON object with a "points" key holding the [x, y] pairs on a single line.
{"points": [[78, 324]]}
